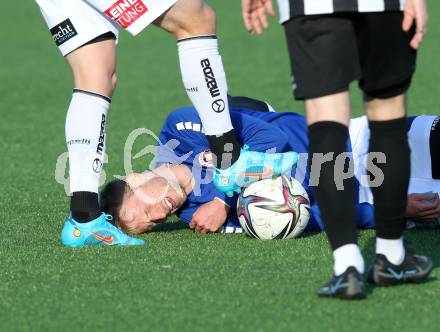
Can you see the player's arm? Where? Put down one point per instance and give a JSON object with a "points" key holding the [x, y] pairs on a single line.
{"points": [[423, 206], [178, 144], [254, 15], [260, 136], [181, 140], [209, 212], [210, 217]]}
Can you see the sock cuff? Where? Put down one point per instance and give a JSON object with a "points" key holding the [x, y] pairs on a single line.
{"points": [[399, 124], [202, 37], [328, 125], [92, 94], [332, 128], [198, 44]]}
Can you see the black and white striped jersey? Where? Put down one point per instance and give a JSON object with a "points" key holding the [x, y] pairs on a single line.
{"points": [[293, 8]]}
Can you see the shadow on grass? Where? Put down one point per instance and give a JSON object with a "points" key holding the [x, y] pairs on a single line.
{"points": [[309, 234], [422, 241], [171, 226]]}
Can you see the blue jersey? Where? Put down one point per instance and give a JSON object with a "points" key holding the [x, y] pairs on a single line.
{"points": [[182, 141]]}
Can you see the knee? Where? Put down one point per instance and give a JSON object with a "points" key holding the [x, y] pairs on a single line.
{"points": [[98, 80], [385, 109], [192, 18], [334, 108], [208, 18], [94, 66], [205, 21], [114, 81]]}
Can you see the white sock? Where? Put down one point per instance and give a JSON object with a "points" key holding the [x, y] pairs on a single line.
{"points": [[346, 256], [204, 79], [85, 138], [393, 250]]}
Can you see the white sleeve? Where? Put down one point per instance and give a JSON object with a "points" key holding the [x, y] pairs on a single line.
{"points": [[421, 172], [360, 137]]}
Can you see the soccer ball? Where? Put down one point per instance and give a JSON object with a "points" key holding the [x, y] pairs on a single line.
{"points": [[274, 209]]}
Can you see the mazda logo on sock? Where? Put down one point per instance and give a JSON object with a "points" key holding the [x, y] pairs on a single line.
{"points": [[100, 146], [218, 105], [97, 165], [211, 82]]}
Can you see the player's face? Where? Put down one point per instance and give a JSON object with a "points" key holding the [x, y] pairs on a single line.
{"points": [[151, 199]]}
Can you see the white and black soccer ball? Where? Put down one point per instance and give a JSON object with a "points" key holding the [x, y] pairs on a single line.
{"points": [[274, 209]]}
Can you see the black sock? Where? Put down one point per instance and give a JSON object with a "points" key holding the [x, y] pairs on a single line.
{"points": [[336, 206], [391, 138], [434, 146], [225, 147], [84, 206]]}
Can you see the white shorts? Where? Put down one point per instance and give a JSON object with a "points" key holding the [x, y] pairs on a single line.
{"points": [[421, 170], [74, 23], [421, 180]]}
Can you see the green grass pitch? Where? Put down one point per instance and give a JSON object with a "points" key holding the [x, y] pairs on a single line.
{"points": [[179, 281]]}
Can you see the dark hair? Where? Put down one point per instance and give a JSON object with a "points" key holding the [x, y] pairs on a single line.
{"points": [[111, 198]]}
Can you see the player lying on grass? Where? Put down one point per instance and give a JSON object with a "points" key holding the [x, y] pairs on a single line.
{"points": [[182, 181], [86, 32]]}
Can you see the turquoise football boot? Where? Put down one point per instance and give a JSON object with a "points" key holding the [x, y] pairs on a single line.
{"points": [[98, 232], [252, 166]]}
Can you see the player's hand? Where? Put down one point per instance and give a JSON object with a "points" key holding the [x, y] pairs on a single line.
{"points": [[210, 217], [423, 206], [415, 12], [254, 15]]}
